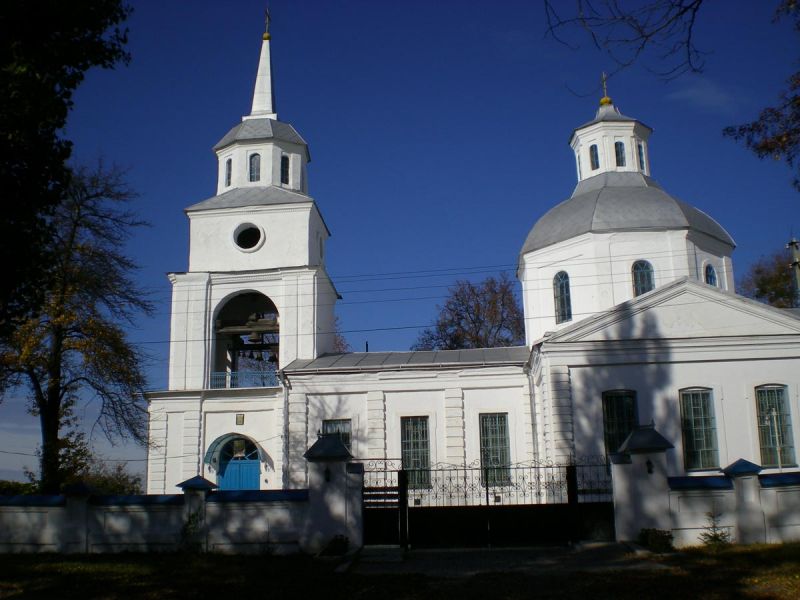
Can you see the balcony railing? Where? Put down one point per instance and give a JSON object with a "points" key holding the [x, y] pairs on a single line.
{"points": [[244, 379]]}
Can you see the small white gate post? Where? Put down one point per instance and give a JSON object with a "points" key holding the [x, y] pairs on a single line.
{"points": [[335, 520]]}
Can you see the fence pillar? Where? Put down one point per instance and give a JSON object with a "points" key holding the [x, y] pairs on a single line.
{"points": [[194, 533], [335, 520], [750, 523], [639, 481], [402, 507], [75, 536], [574, 506]]}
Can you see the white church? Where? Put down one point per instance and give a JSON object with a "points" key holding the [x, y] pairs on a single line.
{"points": [[631, 321]]}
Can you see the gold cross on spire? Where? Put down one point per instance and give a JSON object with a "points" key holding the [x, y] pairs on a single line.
{"points": [[605, 99], [267, 20]]}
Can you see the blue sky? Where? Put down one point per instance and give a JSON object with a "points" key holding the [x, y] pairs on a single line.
{"points": [[438, 134]]}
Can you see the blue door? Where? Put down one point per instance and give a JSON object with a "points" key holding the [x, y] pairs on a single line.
{"points": [[239, 466]]}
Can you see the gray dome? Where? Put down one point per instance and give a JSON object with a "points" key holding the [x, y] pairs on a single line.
{"points": [[261, 129], [617, 201]]}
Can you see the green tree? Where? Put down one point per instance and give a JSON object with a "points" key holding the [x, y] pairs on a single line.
{"points": [[661, 33], [47, 46], [483, 315], [77, 346], [769, 280]]}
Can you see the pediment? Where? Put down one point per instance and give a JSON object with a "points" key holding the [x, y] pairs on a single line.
{"points": [[682, 309]]}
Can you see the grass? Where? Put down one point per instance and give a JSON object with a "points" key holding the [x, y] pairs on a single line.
{"points": [[732, 572]]}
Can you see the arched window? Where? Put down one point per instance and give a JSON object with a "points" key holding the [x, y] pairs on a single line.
{"points": [[594, 158], [619, 151], [561, 297], [643, 280], [641, 158], [285, 170], [710, 275], [255, 167], [228, 169]]}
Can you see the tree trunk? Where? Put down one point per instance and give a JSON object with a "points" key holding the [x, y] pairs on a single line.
{"points": [[50, 477], [50, 419]]}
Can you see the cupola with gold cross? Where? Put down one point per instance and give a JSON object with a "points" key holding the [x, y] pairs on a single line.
{"points": [[611, 142]]}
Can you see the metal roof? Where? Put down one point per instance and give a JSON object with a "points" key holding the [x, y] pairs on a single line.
{"points": [[608, 112], [261, 129], [619, 201], [390, 361], [251, 196]]}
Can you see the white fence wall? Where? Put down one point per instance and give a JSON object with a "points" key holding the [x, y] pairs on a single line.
{"points": [[280, 521], [752, 508]]}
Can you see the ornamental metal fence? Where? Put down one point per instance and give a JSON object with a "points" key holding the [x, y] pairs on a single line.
{"points": [[527, 483]]}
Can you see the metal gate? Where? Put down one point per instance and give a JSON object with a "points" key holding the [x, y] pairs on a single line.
{"points": [[518, 504]]}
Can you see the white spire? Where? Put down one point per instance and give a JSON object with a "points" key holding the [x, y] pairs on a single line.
{"points": [[263, 95]]}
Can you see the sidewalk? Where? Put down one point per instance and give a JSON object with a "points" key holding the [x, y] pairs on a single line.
{"points": [[465, 562]]}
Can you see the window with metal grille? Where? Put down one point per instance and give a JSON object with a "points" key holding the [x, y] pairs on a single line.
{"points": [[415, 451], [228, 169], [561, 297], [495, 450], [641, 157], [285, 170], [774, 426], [255, 167], [340, 427], [710, 275], [619, 151], [594, 157], [699, 429], [620, 416], [643, 278]]}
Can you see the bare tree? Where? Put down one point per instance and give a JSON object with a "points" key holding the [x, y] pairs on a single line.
{"points": [[76, 347], [484, 315], [661, 34], [629, 32], [340, 343]]}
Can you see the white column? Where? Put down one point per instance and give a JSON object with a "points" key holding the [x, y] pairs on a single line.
{"points": [[454, 426], [376, 424]]}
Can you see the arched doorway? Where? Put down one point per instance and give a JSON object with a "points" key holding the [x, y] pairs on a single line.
{"points": [[239, 467]]}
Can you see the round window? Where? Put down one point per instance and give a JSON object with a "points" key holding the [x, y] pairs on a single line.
{"points": [[248, 237]]}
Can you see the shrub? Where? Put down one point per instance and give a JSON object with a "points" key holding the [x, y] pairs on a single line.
{"points": [[656, 540]]}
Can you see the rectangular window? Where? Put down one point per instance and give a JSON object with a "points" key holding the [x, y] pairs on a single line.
{"points": [[415, 451], [285, 170], [342, 427], [620, 417], [699, 430], [641, 157], [495, 451], [774, 427]]}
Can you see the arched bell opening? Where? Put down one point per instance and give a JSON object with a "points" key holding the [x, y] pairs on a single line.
{"points": [[247, 343]]}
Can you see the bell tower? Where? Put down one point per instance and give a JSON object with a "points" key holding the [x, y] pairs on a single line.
{"points": [[256, 295]]}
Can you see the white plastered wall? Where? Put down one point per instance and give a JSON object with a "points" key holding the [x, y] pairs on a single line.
{"points": [[450, 399], [599, 268], [657, 376], [284, 229], [270, 173]]}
